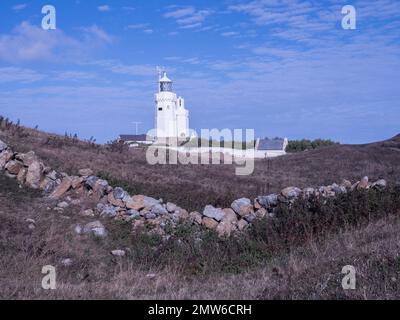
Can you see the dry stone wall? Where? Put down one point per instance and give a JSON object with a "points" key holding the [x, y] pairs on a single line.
{"points": [[141, 210]]}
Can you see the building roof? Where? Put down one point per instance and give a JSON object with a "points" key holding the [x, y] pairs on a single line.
{"points": [[165, 78], [133, 137], [271, 144]]}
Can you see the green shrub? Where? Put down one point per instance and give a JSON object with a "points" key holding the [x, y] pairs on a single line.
{"points": [[302, 145]]}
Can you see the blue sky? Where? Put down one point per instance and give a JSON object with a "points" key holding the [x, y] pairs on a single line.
{"points": [[281, 67]]}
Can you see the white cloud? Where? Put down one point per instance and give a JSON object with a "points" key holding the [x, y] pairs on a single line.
{"points": [[19, 7], [229, 34], [273, 12], [188, 17], [292, 20], [276, 52], [138, 26], [103, 8], [194, 60], [28, 42], [13, 74], [75, 75], [95, 33], [145, 27], [128, 8], [179, 13], [134, 70], [172, 58], [191, 26]]}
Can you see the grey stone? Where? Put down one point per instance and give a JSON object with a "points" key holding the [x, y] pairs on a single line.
{"points": [[91, 181], [78, 229], [307, 192], [5, 156], [242, 206], [171, 207], [62, 188], [127, 198], [242, 224], [67, 262], [53, 175], [380, 184], [229, 223], [133, 214], [27, 158], [108, 211], [34, 175], [346, 183], [85, 172], [158, 210], [195, 217], [338, 189], [214, 213], [101, 186], [176, 217], [120, 193], [63, 205], [88, 213], [100, 206], [150, 202], [150, 216], [291, 192], [96, 228], [250, 218], [3, 146], [268, 201], [14, 166], [363, 184], [118, 253]]}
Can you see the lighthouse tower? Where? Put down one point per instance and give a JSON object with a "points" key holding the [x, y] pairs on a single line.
{"points": [[172, 119]]}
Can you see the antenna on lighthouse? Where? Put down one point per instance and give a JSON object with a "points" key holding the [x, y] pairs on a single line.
{"points": [[160, 71]]}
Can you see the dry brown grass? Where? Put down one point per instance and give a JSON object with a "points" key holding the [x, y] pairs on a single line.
{"points": [[304, 266], [309, 271], [194, 186]]}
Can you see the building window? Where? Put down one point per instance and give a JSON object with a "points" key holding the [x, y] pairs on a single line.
{"points": [[166, 86], [159, 109]]}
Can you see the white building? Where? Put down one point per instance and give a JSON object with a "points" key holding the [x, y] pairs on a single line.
{"points": [[270, 148], [134, 140], [172, 119]]}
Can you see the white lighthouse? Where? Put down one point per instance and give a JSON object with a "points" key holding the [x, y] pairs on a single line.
{"points": [[172, 119]]}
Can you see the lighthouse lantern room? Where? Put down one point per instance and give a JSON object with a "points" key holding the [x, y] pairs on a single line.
{"points": [[172, 119]]}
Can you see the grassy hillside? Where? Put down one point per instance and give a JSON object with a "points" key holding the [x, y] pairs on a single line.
{"points": [[194, 186], [299, 255]]}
